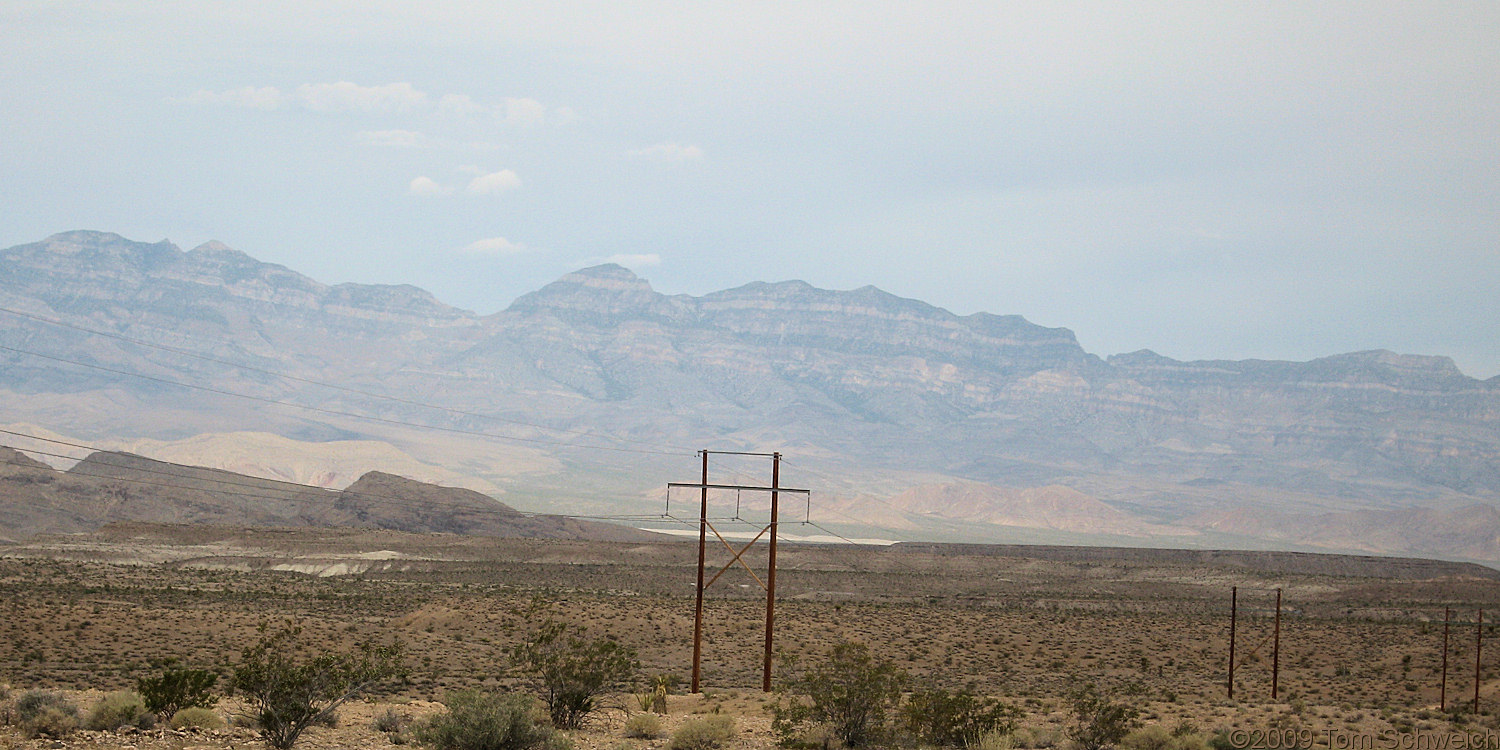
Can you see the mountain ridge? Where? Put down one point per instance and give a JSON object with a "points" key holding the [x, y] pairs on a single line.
{"points": [[110, 487], [614, 277], [878, 393]]}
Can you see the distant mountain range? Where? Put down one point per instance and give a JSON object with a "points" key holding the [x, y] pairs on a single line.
{"points": [[899, 415]]}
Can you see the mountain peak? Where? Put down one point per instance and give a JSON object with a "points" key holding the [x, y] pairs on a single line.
{"points": [[606, 271], [598, 294], [214, 247]]}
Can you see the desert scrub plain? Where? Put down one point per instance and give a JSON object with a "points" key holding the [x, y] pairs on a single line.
{"points": [[1361, 639]]}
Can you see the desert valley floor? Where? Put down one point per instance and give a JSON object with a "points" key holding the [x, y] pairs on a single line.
{"points": [[1361, 637]]}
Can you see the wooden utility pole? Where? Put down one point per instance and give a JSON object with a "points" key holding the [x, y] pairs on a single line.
{"points": [[1276, 646], [1234, 598], [702, 551], [1478, 646], [1443, 686], [737, 556], [765, 679]]}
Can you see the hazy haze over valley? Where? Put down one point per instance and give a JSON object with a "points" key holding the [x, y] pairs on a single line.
{"points": [[916, 422]]}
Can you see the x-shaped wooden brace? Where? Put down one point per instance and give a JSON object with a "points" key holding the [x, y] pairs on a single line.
{"points": [[736, 558]]}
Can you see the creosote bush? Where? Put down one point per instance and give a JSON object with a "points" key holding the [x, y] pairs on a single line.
{"points": [[477, 720], [850, 691], [1158, 737], [956, 719], [196, 717], [572, 671], [708, 732], [1099, 721], [643, 725], [45, 714], [175, 689], [119, 710], [289, 693]]}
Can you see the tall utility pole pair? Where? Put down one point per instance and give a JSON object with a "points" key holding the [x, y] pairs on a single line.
{"points": [[705, 526], [1234, 600], [1478, 649]]}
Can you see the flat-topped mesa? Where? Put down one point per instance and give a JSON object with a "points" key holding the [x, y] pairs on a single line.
{"points": [[1377, 366], [871, 321], [1387, 362], [601, 295]]}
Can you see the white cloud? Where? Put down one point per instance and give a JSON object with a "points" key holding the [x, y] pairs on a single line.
{"points": [[393, 138], [668, 152], [249, 97], [633, 260], [427, 186], [494, 246], [518, 112], [495, 182], [526, 113], [344, 96]]}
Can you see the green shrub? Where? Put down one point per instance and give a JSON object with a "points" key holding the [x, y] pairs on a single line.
{"points": [[176, 689], [1154, 737], [708, 732], [850, 691], [45, 714], [956, 719], [645, 726], [197, 717], [288, 693], [1099, 721], [1157, 737], [119, 710], [33, 702], [50, 722], [573, 672], [477, 720]]}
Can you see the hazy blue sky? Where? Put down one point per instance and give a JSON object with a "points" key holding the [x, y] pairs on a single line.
{"points": [[1277, 180]]}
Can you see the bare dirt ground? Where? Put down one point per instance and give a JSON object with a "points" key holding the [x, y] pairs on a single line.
{"points": [[1359, 653]]}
